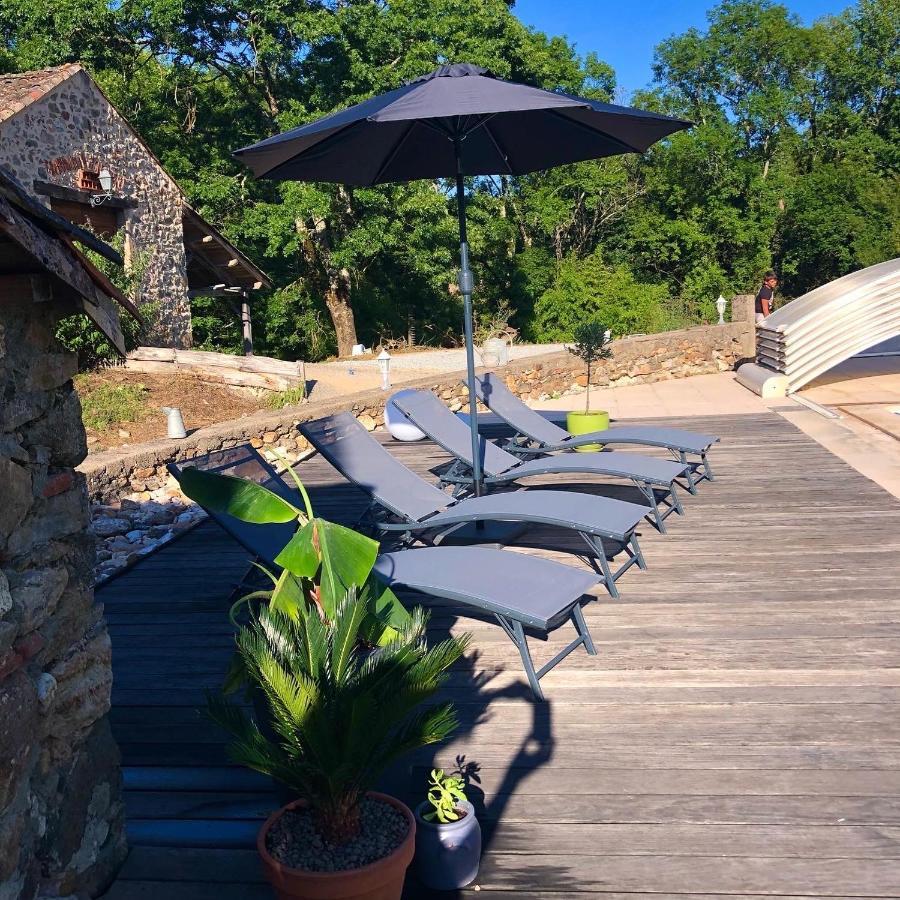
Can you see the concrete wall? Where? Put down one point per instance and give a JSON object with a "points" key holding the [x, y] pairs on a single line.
{"points": [[73, 127], [61, 816]]}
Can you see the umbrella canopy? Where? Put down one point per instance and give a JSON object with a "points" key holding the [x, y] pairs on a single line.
{"points": [[458, 120], [507, 129]]}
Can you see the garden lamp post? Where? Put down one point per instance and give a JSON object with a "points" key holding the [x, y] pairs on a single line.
{"points": [[384, 366], [721, 303]]}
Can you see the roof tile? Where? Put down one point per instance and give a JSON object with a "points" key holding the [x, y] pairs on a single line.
{"points": [[19, 89]]}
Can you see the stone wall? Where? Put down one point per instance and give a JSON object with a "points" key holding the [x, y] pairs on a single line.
{"points": [[74, 127], [132, 488], [61, 816]]}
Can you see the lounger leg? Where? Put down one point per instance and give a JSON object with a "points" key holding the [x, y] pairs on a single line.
{"points": [[518, 636], [650, 494], [596, 544], [704, 461], [582, 629], [676, 500], [692, 482], [638, 555]]}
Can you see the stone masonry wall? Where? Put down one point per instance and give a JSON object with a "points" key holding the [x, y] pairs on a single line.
{"points": [[61, 816], [73, 127], [137, 504]]}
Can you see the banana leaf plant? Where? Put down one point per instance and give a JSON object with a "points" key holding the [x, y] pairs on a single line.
{"points": [[320, 563]]}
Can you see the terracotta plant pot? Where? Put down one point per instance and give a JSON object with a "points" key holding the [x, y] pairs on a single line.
{"points": [[586, 423], [447, 855], [380, 880]]}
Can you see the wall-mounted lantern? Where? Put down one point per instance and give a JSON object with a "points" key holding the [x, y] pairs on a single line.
{"points": [[105, 179], [721, 303], [384, 366]]}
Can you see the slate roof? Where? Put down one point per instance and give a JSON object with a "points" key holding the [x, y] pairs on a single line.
{"points": [[21, 89]]}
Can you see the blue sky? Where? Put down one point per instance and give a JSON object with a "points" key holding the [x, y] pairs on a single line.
{"points": [[624, 34]]}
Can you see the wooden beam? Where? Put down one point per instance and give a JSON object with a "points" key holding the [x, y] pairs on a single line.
{"points": [[16, 196], [74, 195], [100, 278], [59, 258], [104, 314], [211, 362]]}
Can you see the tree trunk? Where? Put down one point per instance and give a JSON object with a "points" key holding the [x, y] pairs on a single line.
{"points": [[337, 299]]}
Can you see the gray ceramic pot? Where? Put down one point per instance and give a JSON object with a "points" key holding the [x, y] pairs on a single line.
{"points": [[447, 856]]}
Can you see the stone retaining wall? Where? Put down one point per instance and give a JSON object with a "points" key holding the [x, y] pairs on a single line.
{"points": [[61, 815], [137, 504]]}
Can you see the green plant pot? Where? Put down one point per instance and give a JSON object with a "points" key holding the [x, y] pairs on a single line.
{"points": [[587, 423]]}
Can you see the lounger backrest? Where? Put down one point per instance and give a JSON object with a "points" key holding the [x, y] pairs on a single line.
{"points": [[499, 399], [427, 412], [361, 459], [264, 541]]}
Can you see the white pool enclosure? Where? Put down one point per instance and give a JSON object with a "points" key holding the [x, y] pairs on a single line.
{"points": [[823, 328]]}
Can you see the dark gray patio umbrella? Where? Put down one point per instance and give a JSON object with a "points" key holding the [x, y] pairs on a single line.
{"points": [[458, 120]]}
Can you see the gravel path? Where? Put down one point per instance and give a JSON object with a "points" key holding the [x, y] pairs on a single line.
{"points": [[333, 379], [452, 360]]}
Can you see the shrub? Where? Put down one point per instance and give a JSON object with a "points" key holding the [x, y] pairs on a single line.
{"points": [[340, 713], [109, 404], [290, 397], [587, 289]]}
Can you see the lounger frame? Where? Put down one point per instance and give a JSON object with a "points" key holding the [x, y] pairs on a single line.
{"points": [[458, 476], [526, 447], [526, 443]]}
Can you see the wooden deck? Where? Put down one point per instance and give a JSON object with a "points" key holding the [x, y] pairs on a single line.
{"points": [[737, 735]]}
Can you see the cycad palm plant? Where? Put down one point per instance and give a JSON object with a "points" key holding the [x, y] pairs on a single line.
{"points": [[340, 713]]}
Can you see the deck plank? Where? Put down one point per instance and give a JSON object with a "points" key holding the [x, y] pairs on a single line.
{"points": [[736, 736]]}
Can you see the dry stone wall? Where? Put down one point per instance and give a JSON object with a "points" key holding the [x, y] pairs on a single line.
{"points": [[137, 505], [74, 127], [61, 815]]}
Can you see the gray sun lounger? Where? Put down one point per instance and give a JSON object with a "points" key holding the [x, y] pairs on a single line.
{"points": [[519, 591], [404, 503], [648, 475], [536, 435]]}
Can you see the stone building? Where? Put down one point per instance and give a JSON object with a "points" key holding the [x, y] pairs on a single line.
{"points": [[61, 815], [72, 150]]}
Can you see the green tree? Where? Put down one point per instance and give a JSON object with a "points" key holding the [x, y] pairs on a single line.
{"points": [[792, 162]]}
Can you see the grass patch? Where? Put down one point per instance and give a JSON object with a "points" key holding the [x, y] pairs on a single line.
{"points": [[105, 405], [290, 397]]}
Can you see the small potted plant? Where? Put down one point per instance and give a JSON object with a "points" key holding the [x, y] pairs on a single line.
{"points": [[448, 836], [591, 339]]}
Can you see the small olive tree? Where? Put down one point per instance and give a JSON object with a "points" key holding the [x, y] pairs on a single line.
{"points": [[591, 339]]}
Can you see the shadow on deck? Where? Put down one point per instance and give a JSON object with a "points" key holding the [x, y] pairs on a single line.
{"points": [[736, 735]]}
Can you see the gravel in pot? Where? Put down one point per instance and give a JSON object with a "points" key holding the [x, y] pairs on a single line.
{"points": [[294, 841]]}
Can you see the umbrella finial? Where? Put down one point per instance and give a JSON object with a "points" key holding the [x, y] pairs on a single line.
{"points": [[453, 70]]}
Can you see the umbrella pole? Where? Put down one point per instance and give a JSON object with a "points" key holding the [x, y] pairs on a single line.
{"points": [[466, 285]]}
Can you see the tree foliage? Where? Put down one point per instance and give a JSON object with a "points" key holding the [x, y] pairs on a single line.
{"points": [[792, 163]]}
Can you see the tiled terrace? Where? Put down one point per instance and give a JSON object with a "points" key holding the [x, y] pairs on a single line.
{"points": [[737, 735]]}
